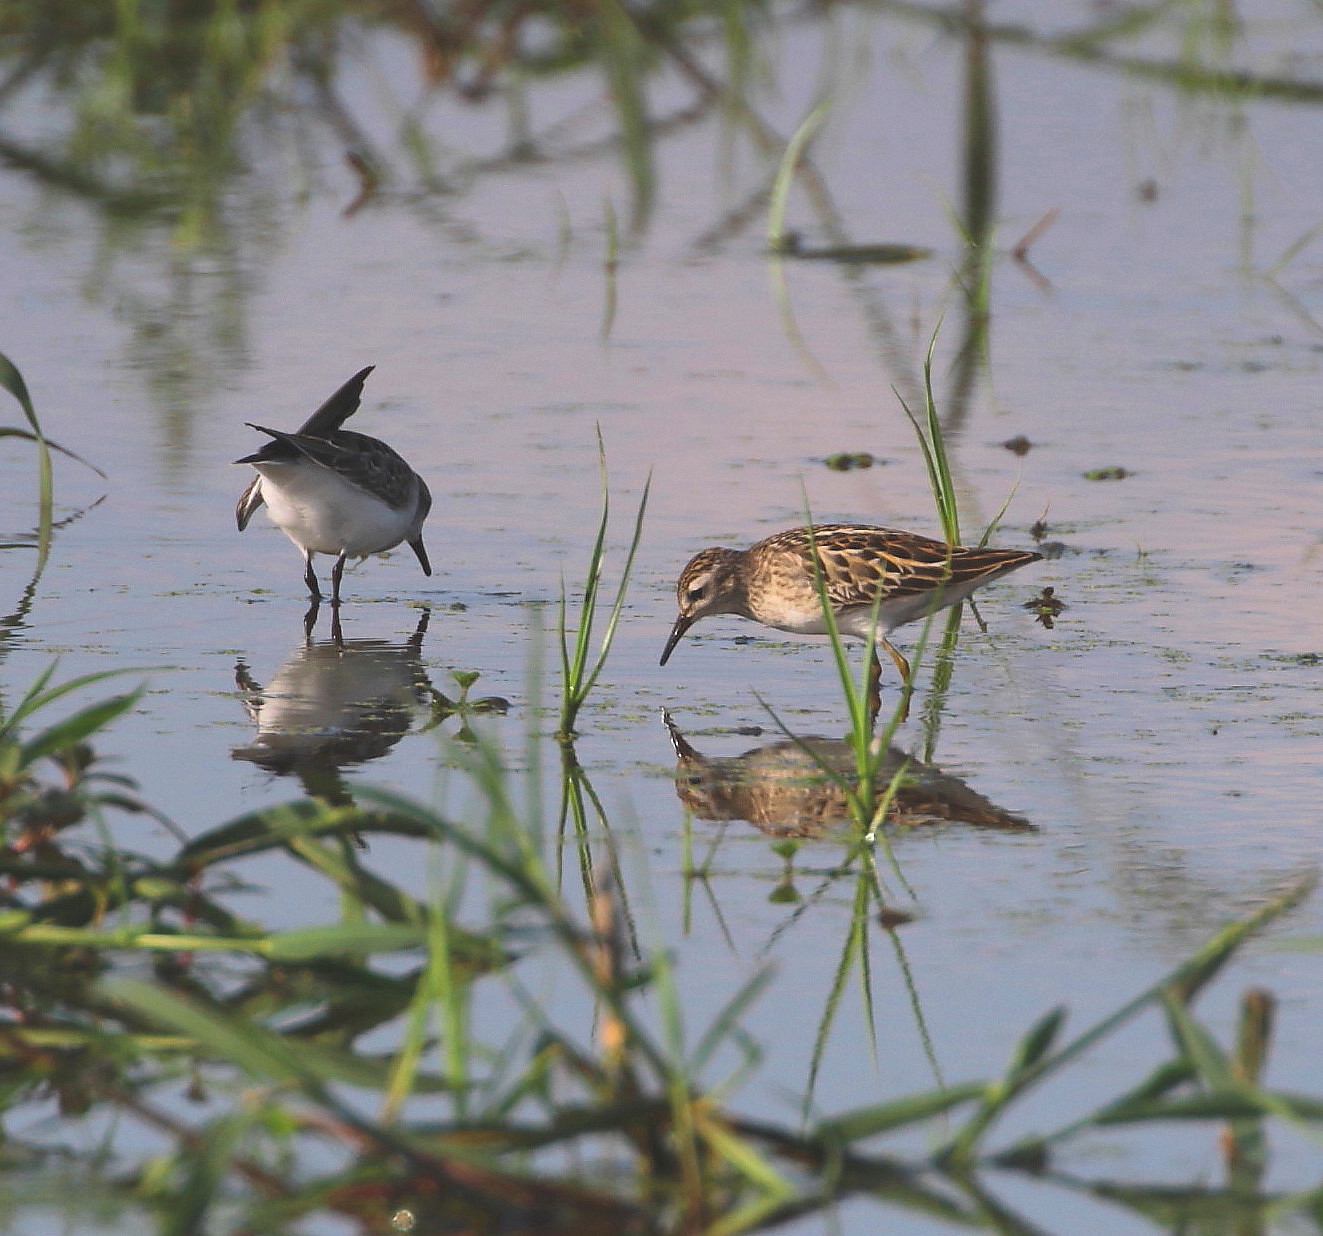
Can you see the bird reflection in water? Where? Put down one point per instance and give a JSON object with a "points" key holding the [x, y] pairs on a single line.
{"points": [[783, 790], [338, 702]]}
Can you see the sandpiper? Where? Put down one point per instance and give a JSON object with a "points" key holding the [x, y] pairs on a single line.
{"points": [[875, 579], [332, 491]]}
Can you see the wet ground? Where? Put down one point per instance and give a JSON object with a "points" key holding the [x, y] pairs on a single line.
{"points": [[1162, 740]]}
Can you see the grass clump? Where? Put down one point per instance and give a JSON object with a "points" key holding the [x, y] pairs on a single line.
{"points": [[580, 663], [371, 1036]]}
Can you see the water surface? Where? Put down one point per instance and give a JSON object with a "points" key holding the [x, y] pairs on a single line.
{"points": [[1162, 739]]}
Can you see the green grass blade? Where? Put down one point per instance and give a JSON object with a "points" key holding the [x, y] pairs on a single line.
{"points": [[725, 1023], [26, 435], [1214, 954], [613, 617], [573, 692], [865, 1122], [1036, 1042], [12, 380], [308, 944], [621, 50], [1197, 1045], [1250, 1103], [610, 271], [74, 729], [259, 1052], [206, 1164], [785, 172], [774, 1189], [578, 676], [29, 702], [995, 522], [932, 444], [528, 880], [38, 697], [439, 989], [850, 948], [1161, 1081]]}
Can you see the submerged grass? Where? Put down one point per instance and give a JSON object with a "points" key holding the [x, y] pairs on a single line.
{"points": [[129, 984]]}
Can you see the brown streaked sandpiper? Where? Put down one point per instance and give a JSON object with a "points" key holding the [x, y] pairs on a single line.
{"points": [[875, 580]]}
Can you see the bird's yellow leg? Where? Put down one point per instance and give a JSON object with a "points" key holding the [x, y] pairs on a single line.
{"points": [[898, 660], [906, 676]]}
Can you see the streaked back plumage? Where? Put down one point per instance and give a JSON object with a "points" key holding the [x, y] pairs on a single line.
{"points": [[875, 579]]}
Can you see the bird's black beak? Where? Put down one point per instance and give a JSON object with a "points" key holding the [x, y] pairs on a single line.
{"points": [[417, 547], [682, 624]]}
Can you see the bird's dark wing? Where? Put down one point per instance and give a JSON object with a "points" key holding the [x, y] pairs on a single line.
{"points": [[281, 448], [338, 408], [322, 423], [365, 462]]}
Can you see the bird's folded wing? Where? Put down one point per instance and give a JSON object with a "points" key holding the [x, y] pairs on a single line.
{"points": [[855, 574], [364, 462]]}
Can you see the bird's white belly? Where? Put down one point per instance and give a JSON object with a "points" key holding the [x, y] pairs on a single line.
{"points": [[858, 621], [800, 622], [324, 514]]}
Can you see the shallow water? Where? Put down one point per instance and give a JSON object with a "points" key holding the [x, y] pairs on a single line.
{"points": [[1162, 739]]}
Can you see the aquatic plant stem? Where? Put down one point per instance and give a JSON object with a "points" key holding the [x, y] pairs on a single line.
{"points": [[1034, 1061], [579, 670], [13, 382]]}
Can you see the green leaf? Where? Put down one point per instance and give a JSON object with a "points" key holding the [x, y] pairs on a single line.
{"points": [[1198, 1046], [74, 729], [317, 943], [13, 382], [26, 435], [883, 1117], [1190, 974], [726, 1022], [785, 171], [1215, 1105], [1037, 1041], [258, 1051], [38, 697]]}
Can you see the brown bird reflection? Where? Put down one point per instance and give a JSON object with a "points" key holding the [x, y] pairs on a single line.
{"points": [[334, 703], [781, 789]]}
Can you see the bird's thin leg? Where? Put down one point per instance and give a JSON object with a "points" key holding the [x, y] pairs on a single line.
{"points": [[310, 576], [336, 573], [310, 619], [874, 686], [906, 676], [898, 660]]}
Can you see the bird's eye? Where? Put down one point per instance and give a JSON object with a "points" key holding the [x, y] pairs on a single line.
{"points": [[694, 594]]}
